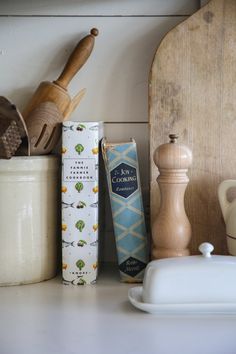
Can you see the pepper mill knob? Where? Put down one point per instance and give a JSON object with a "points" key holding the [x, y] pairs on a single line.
{"points": [[171, 231], [173, 138]]}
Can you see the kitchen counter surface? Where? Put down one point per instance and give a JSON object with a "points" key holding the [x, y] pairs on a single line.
{"points": [[49, 317]]}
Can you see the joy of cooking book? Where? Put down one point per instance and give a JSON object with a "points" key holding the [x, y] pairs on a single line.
{"points": [[122, 169], [80, 201]]}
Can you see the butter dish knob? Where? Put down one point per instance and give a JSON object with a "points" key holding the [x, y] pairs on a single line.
{"points": [[206, 249]]}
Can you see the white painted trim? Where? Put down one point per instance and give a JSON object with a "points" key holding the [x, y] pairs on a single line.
{"points": [[115, 76], [98, 7]]}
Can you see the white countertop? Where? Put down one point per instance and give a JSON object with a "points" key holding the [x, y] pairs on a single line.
{"points": [[49, 317]]}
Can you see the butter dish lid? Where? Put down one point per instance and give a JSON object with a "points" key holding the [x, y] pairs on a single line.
{"points": [[192, 279]]}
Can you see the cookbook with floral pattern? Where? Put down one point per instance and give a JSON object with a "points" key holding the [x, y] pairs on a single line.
{"points": [[80, 203]]}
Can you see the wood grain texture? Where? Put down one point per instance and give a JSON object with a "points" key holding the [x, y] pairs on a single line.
{"points": [[192, 93], [171, 229], [77, 59], [204, 2], [44, 128]]}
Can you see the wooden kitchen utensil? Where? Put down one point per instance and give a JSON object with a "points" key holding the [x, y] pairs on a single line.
{"points": [[13, 131], [171, 231], [44, 125], [57, 91], [74, 104], [44, 128], [10, 138], [192, 91]]}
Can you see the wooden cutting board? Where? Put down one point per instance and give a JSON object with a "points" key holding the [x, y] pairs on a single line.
{"points": [[193, 93]]}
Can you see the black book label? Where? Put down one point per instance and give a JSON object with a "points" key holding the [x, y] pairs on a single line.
{"points": [[132, 266], [124, 180]]}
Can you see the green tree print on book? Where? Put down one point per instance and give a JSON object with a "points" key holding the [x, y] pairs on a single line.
{"points": [[80, 225]]}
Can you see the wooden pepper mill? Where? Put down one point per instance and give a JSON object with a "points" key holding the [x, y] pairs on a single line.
{"points": [[171, 231]]}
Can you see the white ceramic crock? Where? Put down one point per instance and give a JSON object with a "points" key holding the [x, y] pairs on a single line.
{"points": [[28, 219]]}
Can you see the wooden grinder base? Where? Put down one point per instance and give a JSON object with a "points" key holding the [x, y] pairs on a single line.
{"points": [[171, 230]]}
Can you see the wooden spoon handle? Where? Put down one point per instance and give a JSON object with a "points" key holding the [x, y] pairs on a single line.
{"points": [[77, 59], [74, 103]]}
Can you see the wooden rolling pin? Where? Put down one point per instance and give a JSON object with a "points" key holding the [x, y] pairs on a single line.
{"points": [[57, 91]]}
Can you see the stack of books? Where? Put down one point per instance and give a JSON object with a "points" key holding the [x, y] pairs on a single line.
{"points": [[82, 204]]}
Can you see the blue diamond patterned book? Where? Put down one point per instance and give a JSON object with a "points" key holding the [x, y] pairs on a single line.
{"points": [[122, 169], [80, 203]]}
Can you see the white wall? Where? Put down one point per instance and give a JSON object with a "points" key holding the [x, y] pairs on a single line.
{"points": [[37, 36]]}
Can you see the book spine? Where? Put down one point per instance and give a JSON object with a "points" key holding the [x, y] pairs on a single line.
{"points": [[80, 204], [121, 162]]}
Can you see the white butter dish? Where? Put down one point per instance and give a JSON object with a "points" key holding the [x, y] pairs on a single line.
{"points": [[194, 284]]}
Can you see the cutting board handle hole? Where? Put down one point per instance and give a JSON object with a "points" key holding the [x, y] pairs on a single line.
{"points": [[231, 194]]}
